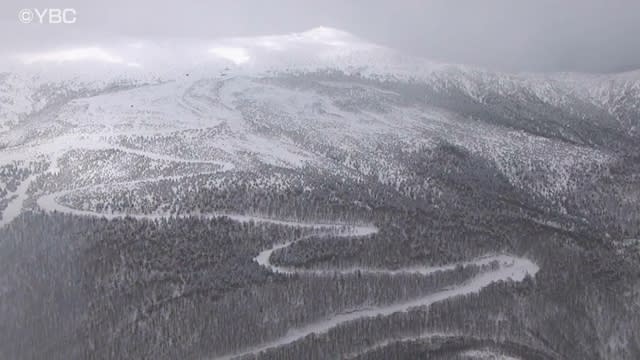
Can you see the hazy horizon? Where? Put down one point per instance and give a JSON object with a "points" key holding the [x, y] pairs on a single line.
{"points": [[546, 36]]}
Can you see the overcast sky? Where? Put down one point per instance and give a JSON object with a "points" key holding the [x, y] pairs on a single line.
{"points": [[561, 35]]}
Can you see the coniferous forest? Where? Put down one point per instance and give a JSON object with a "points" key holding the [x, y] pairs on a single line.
{"points": [[340, 212]]}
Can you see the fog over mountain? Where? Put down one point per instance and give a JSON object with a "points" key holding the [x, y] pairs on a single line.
{"points": [[174, 193], [584, 36]]}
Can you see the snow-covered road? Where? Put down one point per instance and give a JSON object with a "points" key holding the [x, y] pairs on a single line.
{"points": [[509, 267]]}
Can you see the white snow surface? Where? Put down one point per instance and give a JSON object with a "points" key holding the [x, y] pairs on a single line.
{"points": [[94, 99], [14, 207], [509, 267]]}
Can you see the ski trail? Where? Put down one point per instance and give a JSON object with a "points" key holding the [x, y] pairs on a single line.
{"points": [[14, 207]]}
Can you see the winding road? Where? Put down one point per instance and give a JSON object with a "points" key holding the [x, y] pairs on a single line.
{"points": [[509, 267]]}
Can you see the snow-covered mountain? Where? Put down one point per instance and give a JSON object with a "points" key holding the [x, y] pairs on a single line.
{"points": [[322, 99], [298, 137]]}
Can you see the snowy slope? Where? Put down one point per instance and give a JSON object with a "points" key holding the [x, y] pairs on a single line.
{"points": [[322, 98]]}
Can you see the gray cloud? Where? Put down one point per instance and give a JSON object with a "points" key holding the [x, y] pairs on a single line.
{"points": [[571, 35]]}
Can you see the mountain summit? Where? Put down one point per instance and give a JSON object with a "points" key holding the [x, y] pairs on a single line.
{"points": [[313, 195]]}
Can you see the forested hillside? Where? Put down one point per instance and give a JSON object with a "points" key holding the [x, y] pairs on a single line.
{"points": [[336, 209]]}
